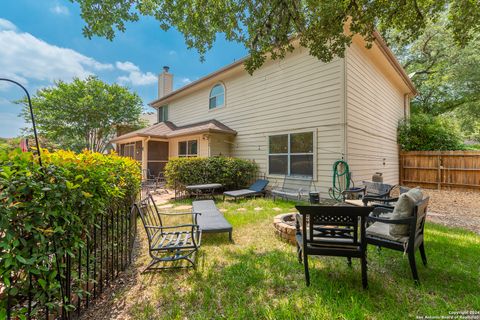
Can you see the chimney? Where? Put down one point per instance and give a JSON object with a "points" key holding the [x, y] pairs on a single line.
{"points": [[165, 82]]}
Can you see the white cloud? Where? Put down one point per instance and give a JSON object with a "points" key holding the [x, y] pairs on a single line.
{"points": [[7, 25], [172, 52], [24, 56], [135, 76], [186, 80], [60, 10]]}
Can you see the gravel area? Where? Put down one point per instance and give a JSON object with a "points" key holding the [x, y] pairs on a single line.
{"points": [[455, 208]]}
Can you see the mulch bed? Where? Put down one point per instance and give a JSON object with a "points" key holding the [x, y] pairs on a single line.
{"points": [[455, 208]]}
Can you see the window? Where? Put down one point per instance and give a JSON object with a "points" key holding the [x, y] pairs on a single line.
{"points": [[128, 150], [188, 148], [217, 96], [163, 114], [291, 154]]}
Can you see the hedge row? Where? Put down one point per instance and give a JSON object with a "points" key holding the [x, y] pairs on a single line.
{"points": [[233, 173], [48, 212]]}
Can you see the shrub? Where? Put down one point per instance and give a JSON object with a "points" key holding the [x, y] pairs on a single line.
{"points": [[47, 212], [233, 173], [422, 132]]}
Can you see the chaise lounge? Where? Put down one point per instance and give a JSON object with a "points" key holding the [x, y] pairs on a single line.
{"points": [[258, 188], [210, 219]]}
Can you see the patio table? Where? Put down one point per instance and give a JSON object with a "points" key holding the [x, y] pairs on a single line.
{"points": [[203, 189]]}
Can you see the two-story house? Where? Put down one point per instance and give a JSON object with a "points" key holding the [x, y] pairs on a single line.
{"points": [[294, 116]]}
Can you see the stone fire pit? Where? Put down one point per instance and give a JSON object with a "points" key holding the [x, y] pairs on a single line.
{"points": [[285, 227]]}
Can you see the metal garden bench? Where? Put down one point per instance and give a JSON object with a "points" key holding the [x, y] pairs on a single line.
{"points": [[168, 244], [293, 189]]}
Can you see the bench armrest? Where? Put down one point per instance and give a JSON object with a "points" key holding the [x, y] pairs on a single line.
{"points": [[178, 213], [172, 227]]}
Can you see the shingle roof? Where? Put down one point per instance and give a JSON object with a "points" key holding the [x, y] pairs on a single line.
{"points": [[167, 129]]}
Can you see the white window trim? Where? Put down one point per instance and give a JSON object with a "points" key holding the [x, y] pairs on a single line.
{"points": [[315, 153], [187, 155], [224, 96]]}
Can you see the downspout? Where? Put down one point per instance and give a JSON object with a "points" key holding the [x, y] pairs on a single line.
{"points": [[406, 105]]}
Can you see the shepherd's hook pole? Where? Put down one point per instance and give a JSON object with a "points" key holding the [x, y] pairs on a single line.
{"points": [[31, 115]]}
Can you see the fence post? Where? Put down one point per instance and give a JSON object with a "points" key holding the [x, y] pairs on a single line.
{"points": [[400, 166], [439, 171]]}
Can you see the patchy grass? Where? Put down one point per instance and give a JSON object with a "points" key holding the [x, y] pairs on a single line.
{"points": [[258, 277]]}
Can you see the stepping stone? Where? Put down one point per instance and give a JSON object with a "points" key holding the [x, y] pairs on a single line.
{"points": [[222, 210], [258, 209], [277, 209], [242, 209]]}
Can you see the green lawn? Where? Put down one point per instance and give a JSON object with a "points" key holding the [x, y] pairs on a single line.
{"points": [[259, 277]]}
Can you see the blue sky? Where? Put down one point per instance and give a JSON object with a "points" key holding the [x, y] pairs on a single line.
{"points": [[42, 41]]}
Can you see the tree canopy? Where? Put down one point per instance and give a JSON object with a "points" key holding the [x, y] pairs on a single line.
{"points": [[446, 76], [265, 27], [84, 114]]}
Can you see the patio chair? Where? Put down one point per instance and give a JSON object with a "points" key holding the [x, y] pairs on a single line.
{"points": [[378, 190], [401, 231], [386, 202], [161, 182], [257, 188], [168, 244], [293, 189], [332, 231]]}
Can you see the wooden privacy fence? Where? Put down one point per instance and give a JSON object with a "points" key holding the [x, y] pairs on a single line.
{"points": [[451, 170]]}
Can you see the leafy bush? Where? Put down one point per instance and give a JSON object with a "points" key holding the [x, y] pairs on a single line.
{"points": [[233, 173], [48, 211], [425, 132]]}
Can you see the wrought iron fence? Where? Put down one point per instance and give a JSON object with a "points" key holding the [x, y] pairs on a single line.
{"points": [[83, 273]]}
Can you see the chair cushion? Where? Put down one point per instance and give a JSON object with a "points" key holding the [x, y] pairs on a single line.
{"points": [[381, 230], [404, 209]]}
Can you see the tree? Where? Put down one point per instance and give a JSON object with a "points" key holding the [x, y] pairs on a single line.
{"points": [[426, 132], [265, 27], [447, 77], [84, 114]]}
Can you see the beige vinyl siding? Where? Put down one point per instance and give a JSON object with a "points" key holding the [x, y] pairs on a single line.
{"points": [[285, 96], [374, 106], [220, 144]]}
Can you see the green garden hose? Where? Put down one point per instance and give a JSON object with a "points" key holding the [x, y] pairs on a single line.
{"points": [[341, 179]]}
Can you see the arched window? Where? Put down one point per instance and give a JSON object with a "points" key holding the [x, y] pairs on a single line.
{"points": [[217, 96]]}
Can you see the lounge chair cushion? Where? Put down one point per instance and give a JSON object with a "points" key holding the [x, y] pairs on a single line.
{"points": [[239, 193], [404, 209], [210, 218]]}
